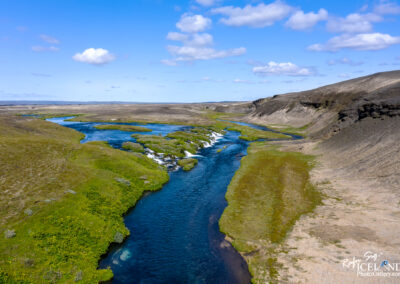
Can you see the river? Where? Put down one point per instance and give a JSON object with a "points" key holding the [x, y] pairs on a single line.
{"points": [[175, 236]]}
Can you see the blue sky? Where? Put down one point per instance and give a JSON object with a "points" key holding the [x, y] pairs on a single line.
{"points": [[189, 51]]}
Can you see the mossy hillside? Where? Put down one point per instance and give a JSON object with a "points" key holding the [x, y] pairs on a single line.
{"points": [[123, 127], [187, 164], [134, 147], [268, 193], [77, 194]]}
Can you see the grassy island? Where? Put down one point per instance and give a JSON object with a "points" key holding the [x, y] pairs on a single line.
{"points": [[176, 143], [134, 147], [187, 164], [268, 193], [123, 127], [59, 216]]}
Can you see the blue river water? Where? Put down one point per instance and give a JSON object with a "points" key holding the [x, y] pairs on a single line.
{"points": [[175, 236]]}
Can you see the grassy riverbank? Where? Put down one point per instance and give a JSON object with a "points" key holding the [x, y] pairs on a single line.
{"points": [[268, 193], [62, 202]]}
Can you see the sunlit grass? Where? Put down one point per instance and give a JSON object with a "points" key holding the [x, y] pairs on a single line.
{"points": [[187, 164], [268, 193], [77, 194]]}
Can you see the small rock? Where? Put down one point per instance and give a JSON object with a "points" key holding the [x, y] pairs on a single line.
{"points": [[123, 181], [29, 262], [143, 177], [118, 237], [79, 276], [28, 212], [53, 276], [47, 200], [70, 191], [146, 182], [8, 234]]}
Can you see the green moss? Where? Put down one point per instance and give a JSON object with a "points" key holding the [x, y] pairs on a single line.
{"points": [[134, 147], [187, 164], [301, 131], [176, 143], [267, 195], [123, 127], [76, 198], [220, 149], [170, 147]]}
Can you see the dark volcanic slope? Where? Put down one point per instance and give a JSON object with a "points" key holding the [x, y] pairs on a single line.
{"points": [[331, 108]]}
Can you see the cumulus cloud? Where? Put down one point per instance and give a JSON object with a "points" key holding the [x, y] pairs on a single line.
{"points": [[285, 68], [39, 48], [353, 23], [49, 39], [95, 56], [196, 46], [193, 23], [369, 41], [254, 16], [301, 21]]}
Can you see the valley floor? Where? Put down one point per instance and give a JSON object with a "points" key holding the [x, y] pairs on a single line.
{"points": [[360, 214]]}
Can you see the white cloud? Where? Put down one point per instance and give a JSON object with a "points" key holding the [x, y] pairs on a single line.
{"points": [[177, 36], [39, 48], [285, 68], [95, 56], [254, 16], [192, 53], [301, 21], [385, 7], [206, 2], [49, 39], [202, 39], [193, 24], [196, 46], [353, 23], [371, 41]]}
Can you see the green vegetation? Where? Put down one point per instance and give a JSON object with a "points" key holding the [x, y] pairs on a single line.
{"points": [[220, 149], [176, 143], [187, 164], [268, 193], [301, 131], [123, 127], [251, 134], [62, 202], [44, 116], [134, 147]]}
